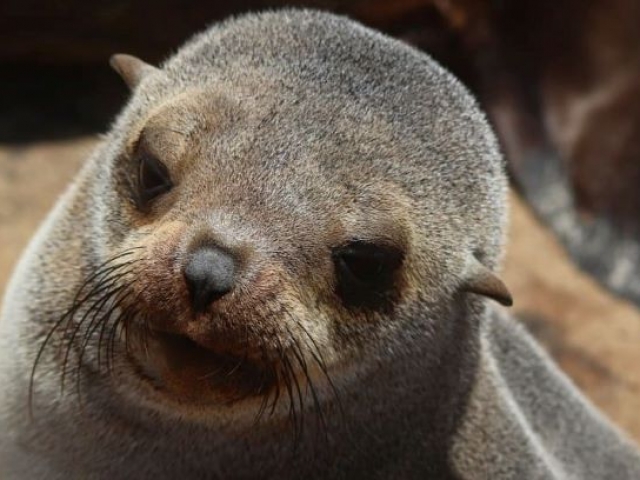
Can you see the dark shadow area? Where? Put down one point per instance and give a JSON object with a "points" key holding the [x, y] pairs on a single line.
{"points": [[47, 102]]}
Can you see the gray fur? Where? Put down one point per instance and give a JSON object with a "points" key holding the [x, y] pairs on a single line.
{"points": [[303, 121]]}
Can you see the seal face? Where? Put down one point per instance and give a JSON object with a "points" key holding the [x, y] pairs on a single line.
{"points": [[238, 259], [290, 211], [272, 218]]}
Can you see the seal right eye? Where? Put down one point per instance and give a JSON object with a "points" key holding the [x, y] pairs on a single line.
{"points": [[153, 179], [366, 272]]}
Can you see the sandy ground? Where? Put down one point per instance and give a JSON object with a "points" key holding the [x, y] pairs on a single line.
{"points": [[594, 336]]}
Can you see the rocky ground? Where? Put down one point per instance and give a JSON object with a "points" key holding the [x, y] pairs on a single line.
{"points": [[594, 336]]}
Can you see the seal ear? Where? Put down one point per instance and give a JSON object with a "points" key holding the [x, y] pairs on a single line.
{"points": [[482, 281], [130, 68]]}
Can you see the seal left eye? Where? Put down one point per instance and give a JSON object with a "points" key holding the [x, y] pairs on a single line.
{"points": [[153, 179]]}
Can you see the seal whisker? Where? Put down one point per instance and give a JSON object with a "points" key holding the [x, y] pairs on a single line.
{"points": [[96, 323], [282, 374], [103, 268], [92, 312], [276, 396], [266, 376], [111, 275], [236, 366], [113, 335], [264, 402], [146, 333], [210, 374], [99, 316], [119, 328], [297, 391], [106, 268], [41, 349], [100, 271], [125, 311], [289, 389], [316, 354], [299, 355], [265, 398]]}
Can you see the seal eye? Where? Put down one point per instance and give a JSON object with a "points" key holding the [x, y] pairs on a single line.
{"points": [[366, 271], [153, 179]]}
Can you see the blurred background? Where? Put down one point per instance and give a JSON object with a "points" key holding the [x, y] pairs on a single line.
{"points": [[559, 80]]}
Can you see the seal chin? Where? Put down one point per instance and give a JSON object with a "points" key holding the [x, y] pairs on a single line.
{"points": [[191, 372]]}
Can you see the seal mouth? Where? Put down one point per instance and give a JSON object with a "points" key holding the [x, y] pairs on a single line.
{"points": [[189, 371]]}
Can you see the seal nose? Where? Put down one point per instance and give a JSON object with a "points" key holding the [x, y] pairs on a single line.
{"points": [[210, 275]]}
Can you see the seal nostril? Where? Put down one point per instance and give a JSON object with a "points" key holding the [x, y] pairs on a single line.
{"points": [[209, 274]]}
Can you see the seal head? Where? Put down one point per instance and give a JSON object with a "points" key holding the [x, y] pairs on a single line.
{"points": [[293, 218], [294, 200]]}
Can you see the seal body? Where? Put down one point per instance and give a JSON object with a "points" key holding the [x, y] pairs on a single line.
{"points": [[275, 266]]}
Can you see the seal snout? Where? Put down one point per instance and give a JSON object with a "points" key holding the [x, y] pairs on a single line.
{"points": [[209, 274]]}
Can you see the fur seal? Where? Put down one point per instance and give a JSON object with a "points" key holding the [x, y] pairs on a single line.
{"points": [[276, 265]]}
